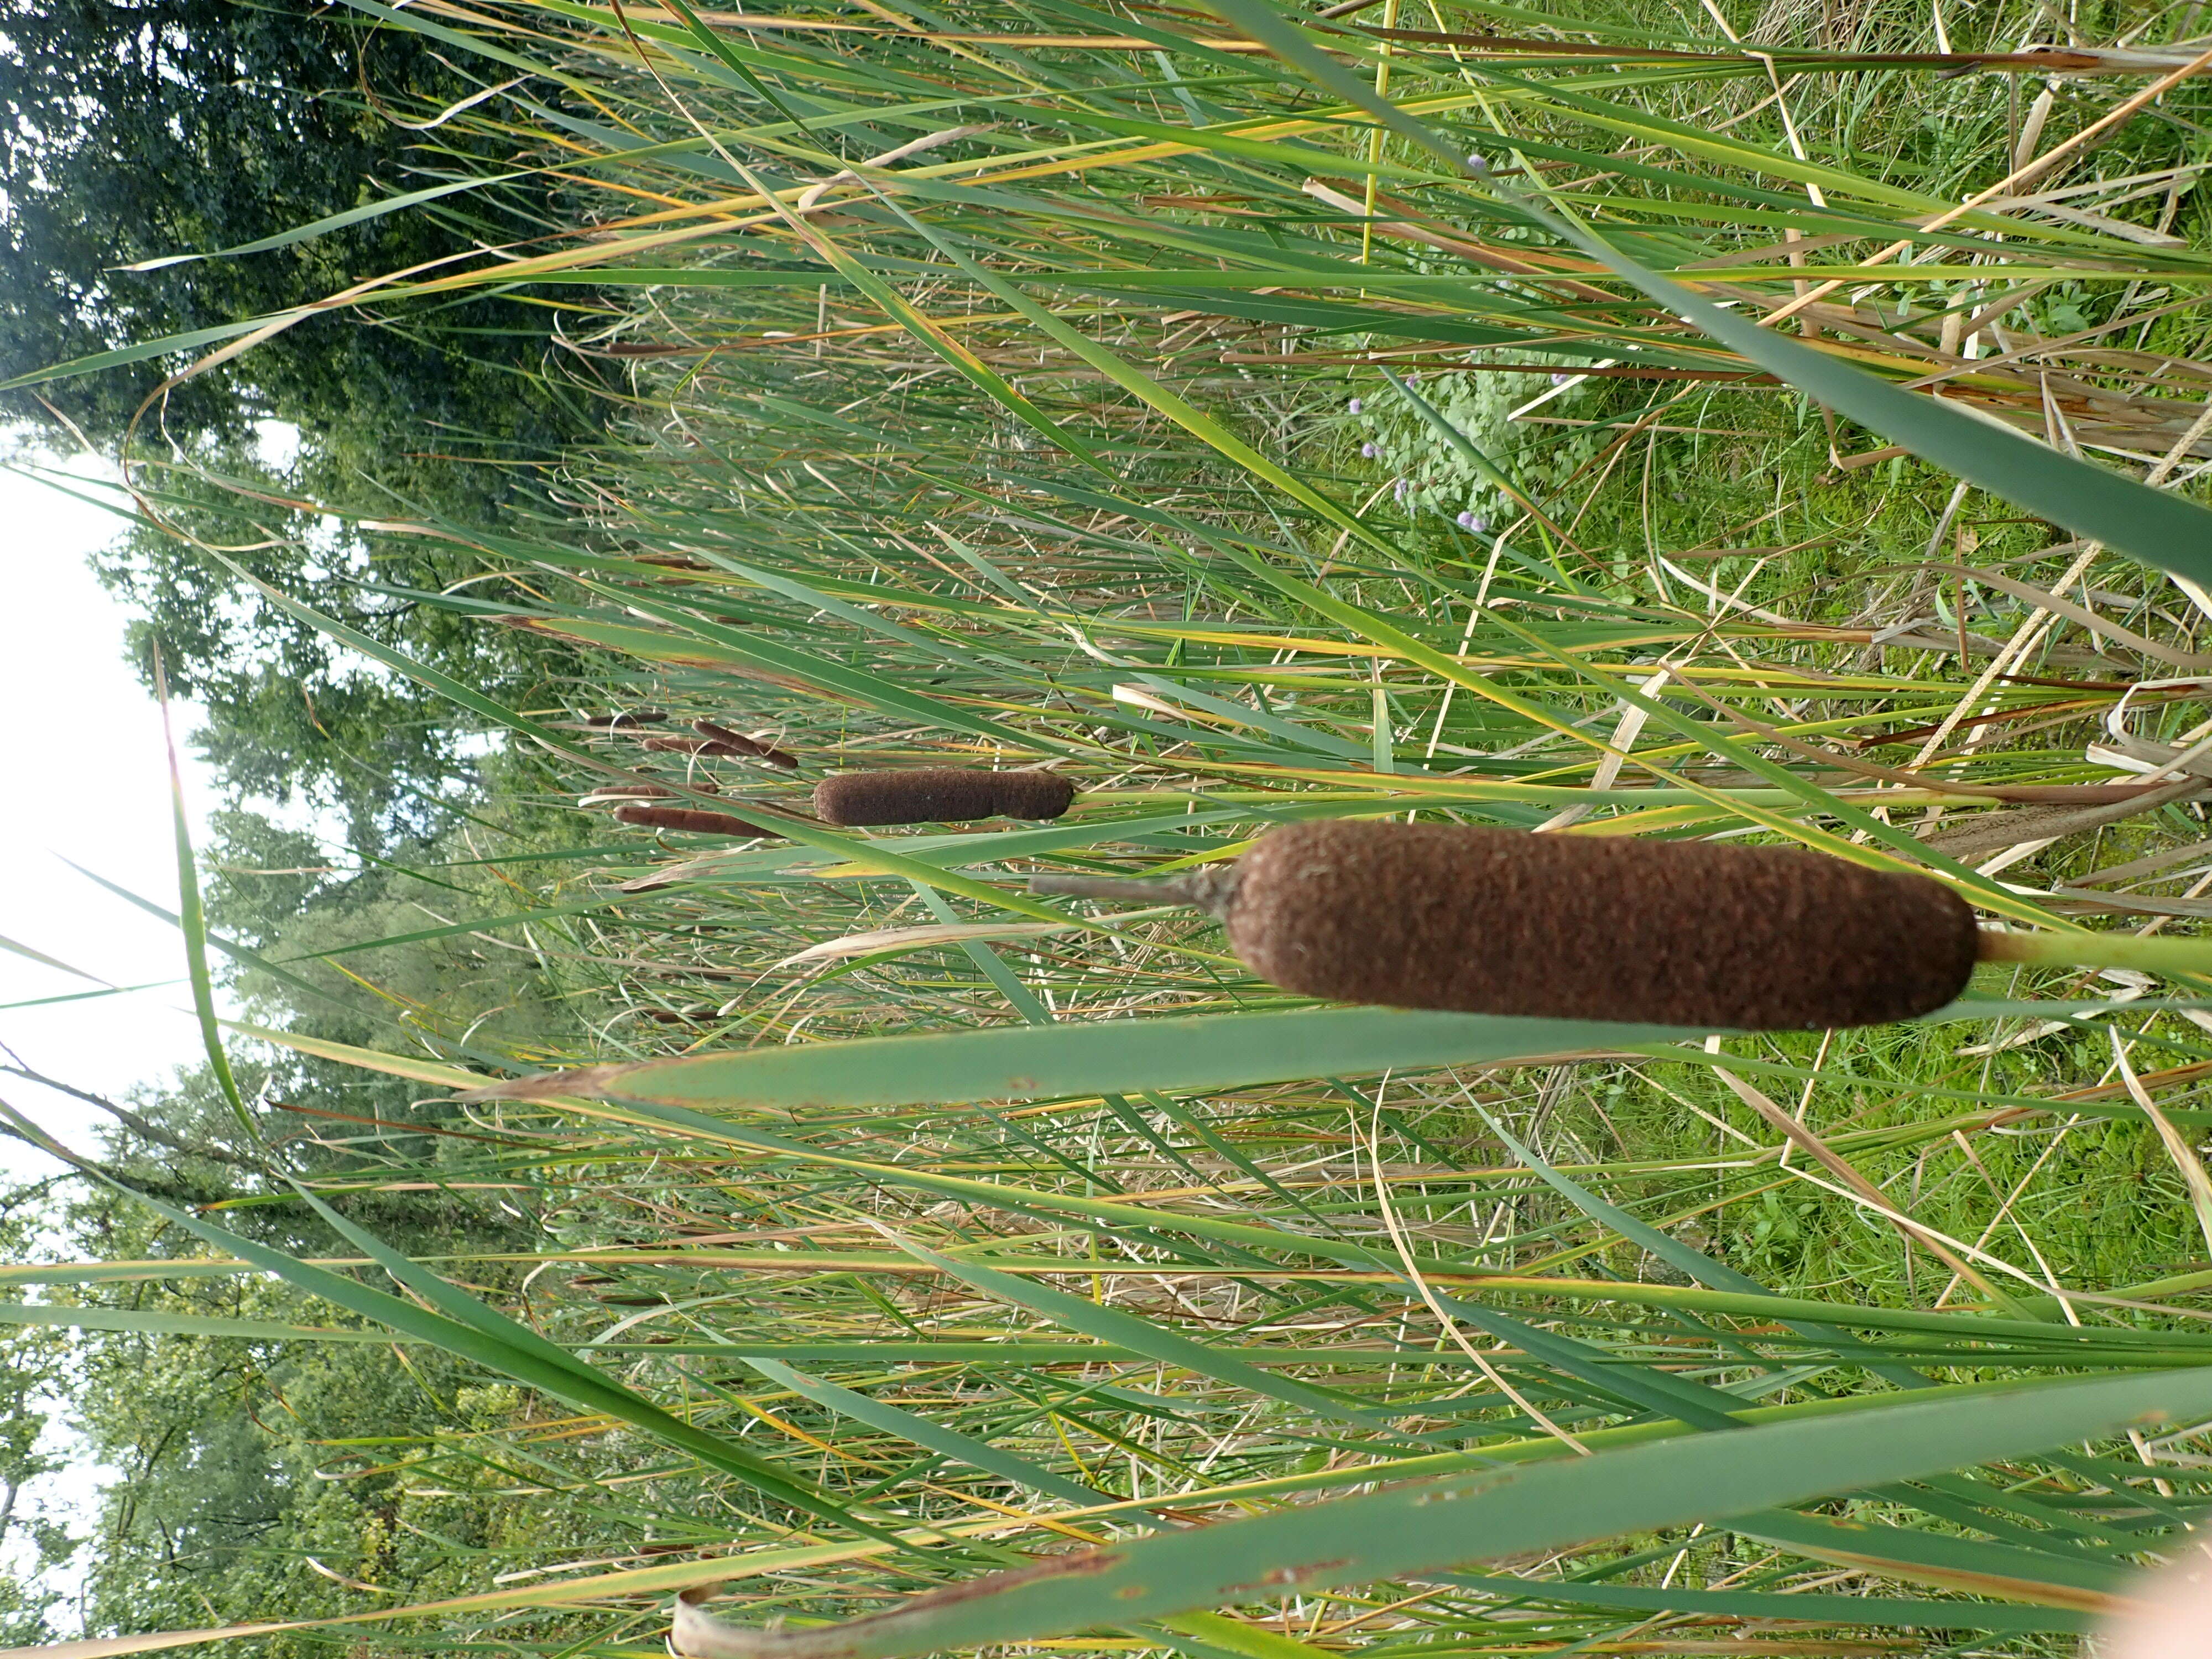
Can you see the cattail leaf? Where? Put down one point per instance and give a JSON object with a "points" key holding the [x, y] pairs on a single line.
{"points": [[125, 990], [933, 1437], [2058, 1576], [168, 345], [1881, 1611], [231, 948], [22, 949], [1685, 1258], [706, 644], [1190, 1053], [192, 922], [152, 1323], [323, 226], [1419, 1530]]}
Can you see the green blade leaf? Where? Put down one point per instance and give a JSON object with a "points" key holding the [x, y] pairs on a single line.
{"points": [[1189, 1054], [1419, 1530]]}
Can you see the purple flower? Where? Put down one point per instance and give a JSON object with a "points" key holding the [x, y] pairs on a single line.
{"points": [[1561, 379], [1477, 162], [1369, 452], [1474, 524], [1413, 377], [1466, 521], [1403, 490], [1353, 405]]}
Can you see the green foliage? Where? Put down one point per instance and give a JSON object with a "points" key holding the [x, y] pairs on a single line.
{"points": [[137, 130], [149, 129], [927, 1229]]}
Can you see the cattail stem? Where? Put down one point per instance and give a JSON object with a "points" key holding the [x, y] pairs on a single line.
{"points": [[1109, 887], [2150, 956], [1212, 887]]}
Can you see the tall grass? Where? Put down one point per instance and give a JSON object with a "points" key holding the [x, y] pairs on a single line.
{"points": [[987, 384]]}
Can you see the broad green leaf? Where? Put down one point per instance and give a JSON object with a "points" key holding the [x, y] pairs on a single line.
{"points": [[1189, 1054], [1428, 1527]]}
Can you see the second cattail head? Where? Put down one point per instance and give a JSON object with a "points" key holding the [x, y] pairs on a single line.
{"points": [[694, 821], [939, 795]]}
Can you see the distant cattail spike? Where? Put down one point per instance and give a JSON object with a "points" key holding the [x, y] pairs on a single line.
{"points": [[692, 820], [628, 718], [940, 794], [738, 744], [1683, 933]]}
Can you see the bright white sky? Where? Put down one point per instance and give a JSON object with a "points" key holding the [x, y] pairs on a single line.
{"points": [[91, 784], [89, 780]]}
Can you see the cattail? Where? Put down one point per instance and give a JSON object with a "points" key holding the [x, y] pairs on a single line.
{"points": [[626, 719], [738, 744], [693, 820], [1489, 921], [940, 794]]}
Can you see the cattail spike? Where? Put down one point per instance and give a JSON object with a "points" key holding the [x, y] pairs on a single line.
{"points": [[939, 795], [693, 821], [1681, 933]]}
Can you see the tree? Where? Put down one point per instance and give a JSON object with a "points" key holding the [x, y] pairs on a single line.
{"points": [[292, 713], [135, 130], [138, 130]]}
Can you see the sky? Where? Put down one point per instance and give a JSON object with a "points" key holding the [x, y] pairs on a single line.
{"points": [[88, 781], [90, 784]]}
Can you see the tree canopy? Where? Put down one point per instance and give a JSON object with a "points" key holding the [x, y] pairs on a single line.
{"points": [[136, 131]]}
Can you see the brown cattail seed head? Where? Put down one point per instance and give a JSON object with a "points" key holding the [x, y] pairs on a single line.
{"points": [[736, 743], [1682, 933], [693, 820], [940, 794]]}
